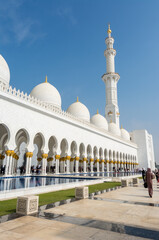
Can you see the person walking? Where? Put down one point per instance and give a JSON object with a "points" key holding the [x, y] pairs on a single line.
{"points": [[143, 174], [149, 177]]}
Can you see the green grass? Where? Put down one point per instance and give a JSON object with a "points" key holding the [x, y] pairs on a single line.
{"points": [[9, 206]]}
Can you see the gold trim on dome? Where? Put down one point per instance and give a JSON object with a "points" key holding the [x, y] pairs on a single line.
{"points": [[77, 99], [97, 111]]}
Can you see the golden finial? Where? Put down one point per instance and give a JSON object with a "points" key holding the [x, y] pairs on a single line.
{"points": [[46, 79], [121, 126], [97, 111], [77, 99], [109, 30], [111, 120]]}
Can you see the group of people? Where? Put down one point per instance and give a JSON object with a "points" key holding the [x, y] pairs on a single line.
{"points": [[148, 176]]}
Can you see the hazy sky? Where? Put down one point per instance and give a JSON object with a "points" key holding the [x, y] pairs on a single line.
{"points": [[65, 39]]}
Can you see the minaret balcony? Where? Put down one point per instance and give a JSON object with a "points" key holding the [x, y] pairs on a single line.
{"points": [[110, 75], [109, 51]]}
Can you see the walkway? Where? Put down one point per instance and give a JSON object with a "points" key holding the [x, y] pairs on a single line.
{"points": [[126, 213]]}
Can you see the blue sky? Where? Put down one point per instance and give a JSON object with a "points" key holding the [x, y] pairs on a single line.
{"points": [[65, 39]]}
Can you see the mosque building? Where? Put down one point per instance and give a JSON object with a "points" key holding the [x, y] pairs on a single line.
{"points": [[35, 130]]}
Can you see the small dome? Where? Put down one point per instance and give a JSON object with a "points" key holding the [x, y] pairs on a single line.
{"points": [[99, 121], [47, 93], [4, 71], [79, 110], [114, 129], [124, 134]]}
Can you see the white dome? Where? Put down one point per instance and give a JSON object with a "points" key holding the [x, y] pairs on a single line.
{"points": [[125, 134], [47, 93], [99, 121], [79, 110], [4, 71], [113, 128]]}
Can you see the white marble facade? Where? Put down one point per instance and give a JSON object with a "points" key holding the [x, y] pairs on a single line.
{"points": [[69, 140]]}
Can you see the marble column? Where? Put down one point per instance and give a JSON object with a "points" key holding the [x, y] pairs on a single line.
{"points": [[68, 164], [91, 164], [97, 164], [44, 159], [28, 163], [7, 153], [57, 157], [111, 165], [84, 165], [77, 164], [102, 163], [11, 162], [107, 165]]}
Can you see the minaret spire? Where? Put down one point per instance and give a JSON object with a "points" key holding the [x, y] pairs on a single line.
{"points": [[110, 79], [109, 31]]}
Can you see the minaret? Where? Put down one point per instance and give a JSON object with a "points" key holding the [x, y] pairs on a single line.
{"points": [[110, 79]]}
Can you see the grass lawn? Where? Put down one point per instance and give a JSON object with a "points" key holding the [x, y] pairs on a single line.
{"points": [[9, 206]]}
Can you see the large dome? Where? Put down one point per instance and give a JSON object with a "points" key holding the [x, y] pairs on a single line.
{"points": [[47, 93], [79, 110], [4, 71], [125, 134], [99, 121], [114, 129]]}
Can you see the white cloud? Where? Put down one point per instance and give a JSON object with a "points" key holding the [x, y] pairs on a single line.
{"points": [[67, 13], [15, 26]]}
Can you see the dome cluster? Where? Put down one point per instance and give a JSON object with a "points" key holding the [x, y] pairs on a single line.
{"points": [[47, 93]]}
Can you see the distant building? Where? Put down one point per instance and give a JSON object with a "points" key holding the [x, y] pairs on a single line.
{"points": [[144, 142]]}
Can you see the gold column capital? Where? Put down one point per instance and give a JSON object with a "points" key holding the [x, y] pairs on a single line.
{"points": [[44, 155], [29, 154], [77, 158], [68, 157], [39, 159], [2, 156], [84, 159], [9, 152], [57, 156]]}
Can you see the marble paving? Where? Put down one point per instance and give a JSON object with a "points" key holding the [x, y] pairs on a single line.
{"points": [[115, 215]]}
